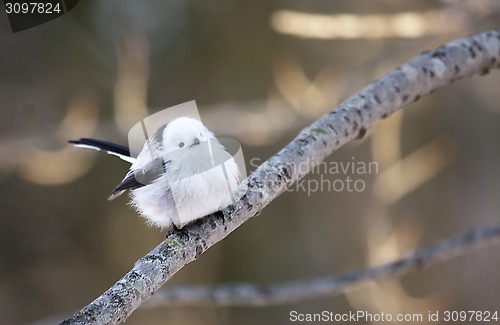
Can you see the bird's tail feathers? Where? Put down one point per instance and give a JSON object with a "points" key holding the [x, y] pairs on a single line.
{"points": [[109, 147]]}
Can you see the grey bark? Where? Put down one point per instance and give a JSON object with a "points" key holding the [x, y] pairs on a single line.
{"points": [[456, 60]]}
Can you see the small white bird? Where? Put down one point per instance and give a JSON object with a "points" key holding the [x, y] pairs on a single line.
{"points": [[183, 173]]}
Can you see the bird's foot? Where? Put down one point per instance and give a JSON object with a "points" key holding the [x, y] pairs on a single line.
{"points": [[180, 231]]}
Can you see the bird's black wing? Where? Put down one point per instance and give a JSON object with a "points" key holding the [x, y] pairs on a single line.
{"points": [[140, 177], [109, 147]]}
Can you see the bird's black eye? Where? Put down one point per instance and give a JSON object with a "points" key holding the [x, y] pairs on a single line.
{"points": [[181, 144]]}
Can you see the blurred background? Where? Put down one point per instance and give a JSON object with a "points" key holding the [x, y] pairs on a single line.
{"points": [[259, 72]]}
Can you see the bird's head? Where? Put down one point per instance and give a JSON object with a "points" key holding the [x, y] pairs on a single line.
{"points": [[185, 133]]}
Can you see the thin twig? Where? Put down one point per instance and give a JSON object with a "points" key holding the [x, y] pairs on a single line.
{"points": [[246, 294], [432, 69]]}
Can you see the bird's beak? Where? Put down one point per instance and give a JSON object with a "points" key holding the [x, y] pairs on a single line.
{"points": [[196, 141]]}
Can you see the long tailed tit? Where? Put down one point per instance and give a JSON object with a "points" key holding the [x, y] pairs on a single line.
{"points": [[183, 173]]}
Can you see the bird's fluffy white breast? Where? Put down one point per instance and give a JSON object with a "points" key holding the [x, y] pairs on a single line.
{"points": [[184, 200]]}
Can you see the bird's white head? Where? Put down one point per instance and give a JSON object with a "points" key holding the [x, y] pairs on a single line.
{"points": [[184, 133]]}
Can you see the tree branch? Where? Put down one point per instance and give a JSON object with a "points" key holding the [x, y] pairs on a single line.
{"points": [[245, 294], [432, 69]]}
